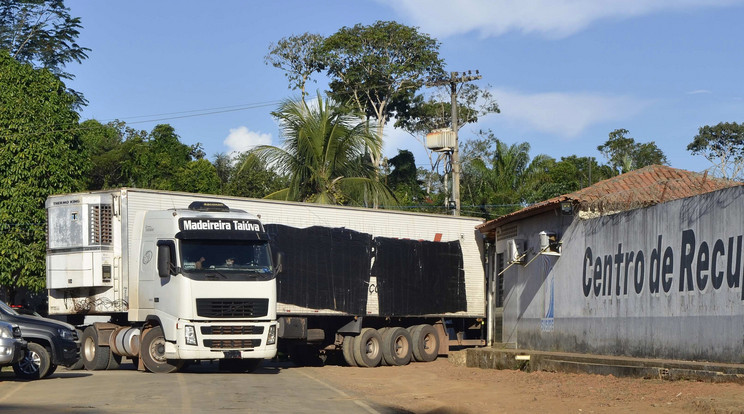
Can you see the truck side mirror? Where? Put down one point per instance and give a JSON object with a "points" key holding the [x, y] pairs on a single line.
{"points": [[278, 262], [166, 258]]}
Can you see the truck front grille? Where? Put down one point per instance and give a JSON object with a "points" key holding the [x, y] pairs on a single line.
{"points": [[232, 343], [232, 308], [232, 330]]}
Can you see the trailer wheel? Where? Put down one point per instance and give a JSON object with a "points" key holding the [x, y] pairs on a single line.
{"points": [[152, 352], [35, 363], [240, 365], [94, 356], [368, 348], [425, 343], [396, 346], [348, 350], [382, 331]]}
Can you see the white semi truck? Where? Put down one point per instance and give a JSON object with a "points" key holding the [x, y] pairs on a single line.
{"points": [[371, 286], [178, 279]]}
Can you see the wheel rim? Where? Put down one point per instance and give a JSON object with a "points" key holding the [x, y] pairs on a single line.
{"points": [[89, 349], [401, 346], [157, 350], [30, 363], [372, 348], [429, 343]]}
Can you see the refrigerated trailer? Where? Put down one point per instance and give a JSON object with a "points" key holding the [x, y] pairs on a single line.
{"points": [[373, 286]]}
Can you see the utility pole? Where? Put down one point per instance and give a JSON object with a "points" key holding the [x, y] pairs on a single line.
{"points": [[454, 79]]}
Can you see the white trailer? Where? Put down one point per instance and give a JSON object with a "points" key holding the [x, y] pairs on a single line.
{"points": [[378, 286]]}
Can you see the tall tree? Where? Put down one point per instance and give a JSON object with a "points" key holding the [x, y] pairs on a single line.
{"points": [[323, 155], [43, 33], [723, 146], [299, 57], [625, 154], [379, 68], [40, 154]]}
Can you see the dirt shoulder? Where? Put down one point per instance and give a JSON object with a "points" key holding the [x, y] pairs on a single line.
{"points": [[441, 387]]}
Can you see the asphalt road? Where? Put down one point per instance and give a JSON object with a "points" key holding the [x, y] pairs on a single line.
{"points": [[273, 388]]}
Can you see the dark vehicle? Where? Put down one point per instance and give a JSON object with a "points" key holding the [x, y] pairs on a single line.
{"points": [[50, 343]]}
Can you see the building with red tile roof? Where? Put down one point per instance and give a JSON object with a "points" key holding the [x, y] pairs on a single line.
{"points": [[639, 188]]}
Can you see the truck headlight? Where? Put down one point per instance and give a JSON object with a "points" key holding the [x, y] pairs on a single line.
{"points": [[5, 332], [190, 332], [271, 339], [66, 334]]}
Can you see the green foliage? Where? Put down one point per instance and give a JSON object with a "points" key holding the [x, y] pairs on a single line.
{"points": [[723, 146], [198, 176], [298, 56], [435, 113], [403, 179], [43, 33], [323, 155], [40, 154], [121, 156], [373, 66], [570, 174], [252, 177], [624, 154]]}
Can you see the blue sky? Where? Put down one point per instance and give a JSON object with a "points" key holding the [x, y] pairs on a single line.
{"points": [[565, 73]]}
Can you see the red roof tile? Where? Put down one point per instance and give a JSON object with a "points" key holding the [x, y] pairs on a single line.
{"points": [[639, 188]]}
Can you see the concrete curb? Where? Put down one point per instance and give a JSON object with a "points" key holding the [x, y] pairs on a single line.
{"points": [[527, 360]]}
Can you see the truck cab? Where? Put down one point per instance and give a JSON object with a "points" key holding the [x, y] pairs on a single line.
{"points": [[207, 279]]}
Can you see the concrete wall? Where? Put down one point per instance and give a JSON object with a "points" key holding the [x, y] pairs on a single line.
{"points": [[659, 282]]}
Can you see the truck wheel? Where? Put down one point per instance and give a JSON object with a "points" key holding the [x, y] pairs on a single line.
{"points": [[152, 352], [348, 350], [396, 346], [368, 348], [382, 331], [94, 356], [240, 365], [425, 343], [114, 361], [35, 363]]}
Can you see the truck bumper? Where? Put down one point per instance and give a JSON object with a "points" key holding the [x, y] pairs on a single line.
{"points": [[222, 339]]}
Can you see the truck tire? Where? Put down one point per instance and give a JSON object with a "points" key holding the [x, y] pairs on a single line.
{"points": [[348, 350], [35, 363], [382, 331], [368, 348], [114, 361], [397, 346], [94, 356], [425, 343], [152, 352], [52, 368], [240, 365]]}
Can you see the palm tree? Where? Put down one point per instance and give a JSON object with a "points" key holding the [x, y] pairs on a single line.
{"points": [[325, 154]]}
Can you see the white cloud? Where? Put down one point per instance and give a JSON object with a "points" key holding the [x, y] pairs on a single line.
{"points": [[242, 139], [552, 18], [699, 92], [564, 114]]}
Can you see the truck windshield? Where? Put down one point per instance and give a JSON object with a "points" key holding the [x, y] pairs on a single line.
{"points": [[226, 259]]}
